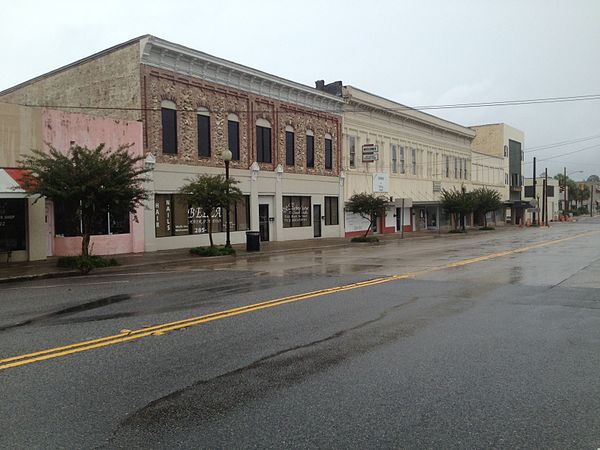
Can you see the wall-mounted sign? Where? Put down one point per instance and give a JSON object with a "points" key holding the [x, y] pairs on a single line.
{"points": [[370, 152], [381, 182]]}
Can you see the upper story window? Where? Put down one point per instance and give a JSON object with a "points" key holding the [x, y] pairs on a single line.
{"points": [[394, 151], [352, 151], [455, 167], [233, 136], [414, 160], [402, 165], [168, 111], [203, 132], [310, 149], [289, 146], [328, 152], [263, 141], [447, 158], [429, 164]]}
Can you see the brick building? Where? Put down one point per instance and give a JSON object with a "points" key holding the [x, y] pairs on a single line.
{"points": [[285, 137]]}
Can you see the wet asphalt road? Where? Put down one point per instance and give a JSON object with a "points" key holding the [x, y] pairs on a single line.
{"points": [[497, 353]]}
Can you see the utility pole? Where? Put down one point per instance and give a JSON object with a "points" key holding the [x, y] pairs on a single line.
{"points": [[543, 211], [546, 197], [592, 199], [534, 193], [546, 193], [565, 192]]}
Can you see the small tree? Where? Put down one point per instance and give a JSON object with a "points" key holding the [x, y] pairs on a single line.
{"points": [[94, 181], [458, 204], [209, 192], [484, 201], [367, 206]]}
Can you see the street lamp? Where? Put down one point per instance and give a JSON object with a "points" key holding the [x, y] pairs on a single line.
{"points": [[227, 156]]}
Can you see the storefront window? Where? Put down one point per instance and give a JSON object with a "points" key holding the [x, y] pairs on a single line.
{"points": [[13, 221], [296, 211], [67, 221], [175, 217]]}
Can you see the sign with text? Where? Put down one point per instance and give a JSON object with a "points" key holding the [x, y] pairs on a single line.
{"points": [[370, 152], [381, 182]]}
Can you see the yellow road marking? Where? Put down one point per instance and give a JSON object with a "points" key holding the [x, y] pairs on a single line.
{"points": [[127, 335]]}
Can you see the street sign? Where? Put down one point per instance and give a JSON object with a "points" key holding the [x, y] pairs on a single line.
{"points": [[370, 152]]}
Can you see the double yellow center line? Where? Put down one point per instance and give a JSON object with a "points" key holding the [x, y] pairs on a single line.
{"points": [[127, 335]]}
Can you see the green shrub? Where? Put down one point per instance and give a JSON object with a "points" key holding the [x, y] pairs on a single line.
{"points": [[486, 228], [364, 239], [85, 263], [212, 251], [457, 231]]}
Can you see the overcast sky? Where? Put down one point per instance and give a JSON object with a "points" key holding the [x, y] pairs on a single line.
{"points": [[416, 53]]}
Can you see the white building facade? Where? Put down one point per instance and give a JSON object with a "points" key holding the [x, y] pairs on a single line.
{"points": [[404, 154]]}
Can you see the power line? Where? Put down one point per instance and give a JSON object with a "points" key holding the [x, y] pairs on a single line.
{"points": [[562, 143], [546, 100]]}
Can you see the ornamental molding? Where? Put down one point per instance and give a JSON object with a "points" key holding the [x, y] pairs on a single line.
{"points": [[166, 55]]}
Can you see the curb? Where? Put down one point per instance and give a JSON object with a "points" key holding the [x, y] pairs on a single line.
{"points": [[217, 259]]}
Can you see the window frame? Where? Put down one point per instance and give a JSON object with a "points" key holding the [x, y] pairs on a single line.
{"points": [[328, 147], [310, 149], [233, 122], [332, 211], [264, 142], [203, 133], [352, 151], [290, 146], [168, 111]]}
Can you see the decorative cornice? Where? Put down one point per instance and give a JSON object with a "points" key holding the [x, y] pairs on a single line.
{"points": [[166, 55], [359, 99]]}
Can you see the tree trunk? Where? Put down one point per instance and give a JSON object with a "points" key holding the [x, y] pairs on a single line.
{"points": [[368, 228], [86, 235], [484, 220], [210, 232], [85, 244]]}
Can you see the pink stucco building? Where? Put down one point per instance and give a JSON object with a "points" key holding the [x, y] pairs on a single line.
{"points": [[61, 130]]}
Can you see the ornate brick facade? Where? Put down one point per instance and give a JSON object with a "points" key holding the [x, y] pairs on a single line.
{"points": [[189, 94]]}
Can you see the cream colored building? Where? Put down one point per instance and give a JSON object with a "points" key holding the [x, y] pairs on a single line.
{"points": [[503, 141], [552, 195], [402, 153], [22, 227]]}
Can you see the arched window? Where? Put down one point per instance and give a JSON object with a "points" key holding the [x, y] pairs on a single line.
{"points": [[233, 136], [168, 111], [204, 146], [289, 146], [328, 152], [310, 148], [263, 141]]}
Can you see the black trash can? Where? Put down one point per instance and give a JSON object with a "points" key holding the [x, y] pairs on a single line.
{"points": [[252, 241]]}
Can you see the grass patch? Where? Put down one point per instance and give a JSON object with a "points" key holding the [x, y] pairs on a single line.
{"points": [[457, 231], [364, 239], [486, 228], [85, 263], [212, 251]]}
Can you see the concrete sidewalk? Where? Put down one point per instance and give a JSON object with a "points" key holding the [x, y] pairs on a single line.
{"points": [[23, 271]]}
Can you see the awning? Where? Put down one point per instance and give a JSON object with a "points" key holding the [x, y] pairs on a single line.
{"points": [[11, 183]]}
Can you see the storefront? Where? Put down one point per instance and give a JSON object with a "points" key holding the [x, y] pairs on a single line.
{"points": [[21, 220]]}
